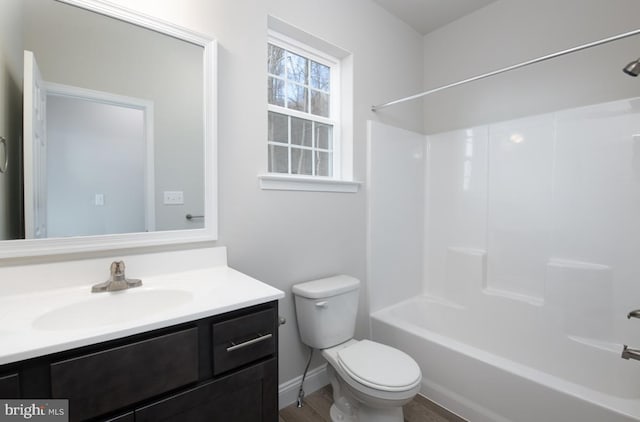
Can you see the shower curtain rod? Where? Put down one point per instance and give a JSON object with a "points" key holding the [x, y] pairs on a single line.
{"points": [[508, 68]]}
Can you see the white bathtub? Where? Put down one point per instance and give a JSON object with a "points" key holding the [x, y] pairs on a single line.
{"points": [[509, 362]]}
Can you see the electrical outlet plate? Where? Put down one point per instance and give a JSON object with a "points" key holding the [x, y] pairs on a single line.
{"points": [[175, 197]]}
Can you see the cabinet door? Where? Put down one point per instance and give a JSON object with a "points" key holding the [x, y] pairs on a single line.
{"points": [[127, 417], [249, 395], [9, 387]]}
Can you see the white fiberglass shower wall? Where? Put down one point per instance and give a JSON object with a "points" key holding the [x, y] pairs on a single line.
{"points": [[547, 206], [542, 212], [528, 234]]}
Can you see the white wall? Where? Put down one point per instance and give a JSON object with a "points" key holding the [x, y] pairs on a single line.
{"points": [[286, 237], [511, 31], [94, 148], [11, 116], [103, 54], [455, 205], [395, 192]]}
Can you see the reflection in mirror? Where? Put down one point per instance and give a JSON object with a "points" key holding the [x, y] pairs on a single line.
{"points": [[102, 170], [117, 126], [106, 145]]}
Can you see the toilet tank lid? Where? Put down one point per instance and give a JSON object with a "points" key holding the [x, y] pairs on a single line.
{"points": [[326, 287]]}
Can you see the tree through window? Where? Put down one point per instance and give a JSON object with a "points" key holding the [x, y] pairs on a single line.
{"points": [[301, 110]]}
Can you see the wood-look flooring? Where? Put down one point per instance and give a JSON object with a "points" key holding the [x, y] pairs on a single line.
{"points": [[316, 409]]}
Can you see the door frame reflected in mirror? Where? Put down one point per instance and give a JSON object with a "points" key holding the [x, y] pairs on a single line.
{"points": [[66, 245], [67, 215]]}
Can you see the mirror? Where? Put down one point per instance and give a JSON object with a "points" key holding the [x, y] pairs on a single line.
{"points": [[118, 140]]}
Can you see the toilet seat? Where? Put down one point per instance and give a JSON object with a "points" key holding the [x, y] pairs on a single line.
{"points": [[379, 367]]}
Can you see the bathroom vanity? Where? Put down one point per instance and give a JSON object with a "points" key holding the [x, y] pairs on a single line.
{"points": [[210, 355], [184, 372]]}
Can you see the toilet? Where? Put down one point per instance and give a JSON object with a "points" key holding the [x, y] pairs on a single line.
{"points": [[371, 381]]}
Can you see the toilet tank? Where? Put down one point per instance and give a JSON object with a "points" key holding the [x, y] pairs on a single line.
{"points": [[326, 310]]}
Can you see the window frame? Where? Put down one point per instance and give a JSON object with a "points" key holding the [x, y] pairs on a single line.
{"points": [[294, 46]]}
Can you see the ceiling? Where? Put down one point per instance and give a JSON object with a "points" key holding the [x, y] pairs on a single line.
{"points": [[427, 15]]}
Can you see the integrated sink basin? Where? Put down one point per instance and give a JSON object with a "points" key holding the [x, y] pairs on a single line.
{"points": [[112, 308], [52, 309]]}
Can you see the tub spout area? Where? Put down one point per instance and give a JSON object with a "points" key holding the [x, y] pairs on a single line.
{"points": [[628, 353], [634, 314]]}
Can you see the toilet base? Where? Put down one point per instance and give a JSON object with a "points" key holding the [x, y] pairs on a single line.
{"points": [[346, 408], [339, 416], [365, 414]]}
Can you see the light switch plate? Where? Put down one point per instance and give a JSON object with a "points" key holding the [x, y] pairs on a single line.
{"points": [[174, 197]]}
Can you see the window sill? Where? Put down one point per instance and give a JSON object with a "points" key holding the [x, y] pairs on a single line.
{"points": [[273, 181]]}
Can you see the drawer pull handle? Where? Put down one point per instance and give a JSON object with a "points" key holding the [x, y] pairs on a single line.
{"points": [[249, 342]]}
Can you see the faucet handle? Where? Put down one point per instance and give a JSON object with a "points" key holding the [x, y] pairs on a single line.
{"points": [[634, 314], [117, 269]]}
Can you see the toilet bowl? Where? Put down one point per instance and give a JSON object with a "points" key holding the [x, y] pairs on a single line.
{"points": [[371, 381]]}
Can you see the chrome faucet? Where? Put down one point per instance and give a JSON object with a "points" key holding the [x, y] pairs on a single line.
{"points": [[628, 353], [117, 281], [634, 314]]}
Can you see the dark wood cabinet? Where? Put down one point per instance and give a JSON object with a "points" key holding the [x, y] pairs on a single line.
{"points": [[127, 417], [120, 376], [10, 386], [244, 396], [242, 340], [220, 368]]}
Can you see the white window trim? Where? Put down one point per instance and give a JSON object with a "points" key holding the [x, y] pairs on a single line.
{"points": [[336, 183], [282, 181]]}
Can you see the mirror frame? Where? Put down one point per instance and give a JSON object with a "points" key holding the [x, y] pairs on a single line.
{"points": [[66, 245]]}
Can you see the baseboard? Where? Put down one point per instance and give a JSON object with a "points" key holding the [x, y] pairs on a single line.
{"points": [[315, 380]]}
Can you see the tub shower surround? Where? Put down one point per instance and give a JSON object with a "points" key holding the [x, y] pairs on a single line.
{"points": [[531, 231]]}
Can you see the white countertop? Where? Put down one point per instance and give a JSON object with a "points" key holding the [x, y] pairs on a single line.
{"points": [[33, 324]]}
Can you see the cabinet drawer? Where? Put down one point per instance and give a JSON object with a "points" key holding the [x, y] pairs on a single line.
{"points": [[115, 378], [9, 387], [243, 339]]}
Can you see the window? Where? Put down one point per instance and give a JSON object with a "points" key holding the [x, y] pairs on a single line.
{"points": [[303, 102]]}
